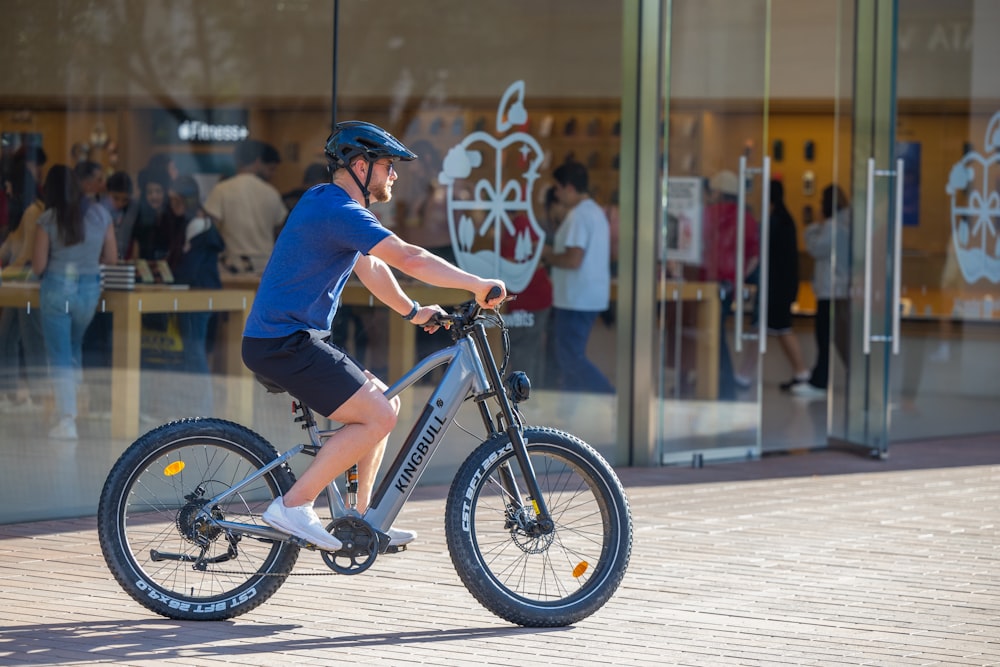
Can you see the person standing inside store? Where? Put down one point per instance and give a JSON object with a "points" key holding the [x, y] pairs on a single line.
{"points": [[150, 237], [194, 260], [23, 181], [73, 237], [783, 283], [21, 328], [823, 240], [528, 315], [720, 238], [123, 209], [331, 234], [92, 179], [97, 341], [247, 210], [580, 263]]}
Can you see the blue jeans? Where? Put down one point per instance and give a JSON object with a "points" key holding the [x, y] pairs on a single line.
{"points": [[571, 329], [68, 305]]}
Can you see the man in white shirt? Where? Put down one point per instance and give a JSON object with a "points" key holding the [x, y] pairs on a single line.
{"points": [[247, 210], [580, 261]]}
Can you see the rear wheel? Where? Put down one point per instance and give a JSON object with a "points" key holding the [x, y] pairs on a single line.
{"points": [[529, 576], [155, 539]]}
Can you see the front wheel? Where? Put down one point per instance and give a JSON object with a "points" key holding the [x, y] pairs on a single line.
{"points": [[538, 577], [154, 534]]}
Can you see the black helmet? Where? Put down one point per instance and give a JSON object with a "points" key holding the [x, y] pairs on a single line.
{"points": [[355, 138]]}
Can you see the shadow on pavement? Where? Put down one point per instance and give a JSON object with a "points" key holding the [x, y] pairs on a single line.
{"points": [[134, 641]]}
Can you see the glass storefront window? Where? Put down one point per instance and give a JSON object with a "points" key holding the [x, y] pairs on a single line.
{"points": [[135, 88], [947, 130]]}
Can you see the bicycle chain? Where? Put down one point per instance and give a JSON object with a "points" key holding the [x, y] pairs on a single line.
{"points": [[273, 574]]}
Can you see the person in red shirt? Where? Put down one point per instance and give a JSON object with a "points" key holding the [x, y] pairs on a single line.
{"points": [[720, 238], [528, 314]]}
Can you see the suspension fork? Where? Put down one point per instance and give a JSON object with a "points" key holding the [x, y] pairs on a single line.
{"points": [[507, 480], [515, 435]]}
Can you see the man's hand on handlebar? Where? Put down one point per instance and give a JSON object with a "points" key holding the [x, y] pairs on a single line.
{"points": [[491, 294], [425, 318]]}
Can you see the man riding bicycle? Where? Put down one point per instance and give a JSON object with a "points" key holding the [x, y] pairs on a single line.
{"points": [[329, 234]]}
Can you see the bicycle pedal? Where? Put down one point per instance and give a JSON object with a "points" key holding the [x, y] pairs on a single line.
{"points": [[394, 549], [299, 542]]}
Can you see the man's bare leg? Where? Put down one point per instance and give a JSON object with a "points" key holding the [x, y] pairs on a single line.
{"points": [[368, 418]]}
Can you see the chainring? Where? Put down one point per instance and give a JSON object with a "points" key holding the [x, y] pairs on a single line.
{"points": [[361, 546]]}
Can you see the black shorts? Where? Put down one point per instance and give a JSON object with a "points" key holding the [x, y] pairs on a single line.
{"points": [[307, 366], [779, 318]]}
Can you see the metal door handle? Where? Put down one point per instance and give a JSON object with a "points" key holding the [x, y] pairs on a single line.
{"points": [[897, 260], [765, 172], [897, 269], [764, 266], [740, 240], [866, 329]]}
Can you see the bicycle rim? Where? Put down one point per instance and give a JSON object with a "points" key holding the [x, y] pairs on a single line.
{"points": [[158, 507], [558, 577]]}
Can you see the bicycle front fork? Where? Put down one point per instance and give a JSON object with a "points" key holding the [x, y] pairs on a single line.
{"points": [[543, 523]]}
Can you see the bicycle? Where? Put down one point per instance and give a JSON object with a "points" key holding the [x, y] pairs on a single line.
{"points": [[537, 524]]}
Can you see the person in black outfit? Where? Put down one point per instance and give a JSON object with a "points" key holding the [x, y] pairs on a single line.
{"points": [[783, 283]]}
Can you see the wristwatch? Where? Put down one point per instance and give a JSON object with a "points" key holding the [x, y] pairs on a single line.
{"points": [[413, 311]]}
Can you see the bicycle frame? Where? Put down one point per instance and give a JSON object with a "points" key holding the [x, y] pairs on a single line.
{"points": [[470, 368]]}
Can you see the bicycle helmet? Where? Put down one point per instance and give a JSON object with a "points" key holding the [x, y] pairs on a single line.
{"points": [[354, 138]]}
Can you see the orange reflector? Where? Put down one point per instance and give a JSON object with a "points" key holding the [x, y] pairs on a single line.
{"points": [[580, 568], [173, 468]]}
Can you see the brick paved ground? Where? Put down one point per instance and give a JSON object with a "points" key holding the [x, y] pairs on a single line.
{"points": [[819, 559]]}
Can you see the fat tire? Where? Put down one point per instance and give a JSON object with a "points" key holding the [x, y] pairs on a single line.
{"points": [[532, 583], [143, 507]]}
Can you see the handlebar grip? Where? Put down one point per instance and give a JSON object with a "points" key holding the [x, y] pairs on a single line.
{"points": [[493, 294]]}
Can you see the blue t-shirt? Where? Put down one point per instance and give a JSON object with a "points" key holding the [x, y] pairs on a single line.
{"points": [[323, 238]]}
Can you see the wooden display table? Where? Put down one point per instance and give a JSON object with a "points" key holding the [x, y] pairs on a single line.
{"points": [[127, 309]]}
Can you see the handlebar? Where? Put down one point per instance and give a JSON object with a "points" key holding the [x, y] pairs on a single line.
{"points": [[465, 314]]}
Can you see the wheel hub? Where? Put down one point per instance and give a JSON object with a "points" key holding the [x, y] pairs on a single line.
{"points": [[527, 535]]}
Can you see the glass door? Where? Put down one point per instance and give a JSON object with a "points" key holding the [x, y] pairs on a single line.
{"points": [[947, 137], [715, 171], [922, 252], [864, 232]]}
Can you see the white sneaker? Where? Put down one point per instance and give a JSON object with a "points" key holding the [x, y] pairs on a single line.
{"points": [[808, 390], [65, 429], [399, 537], [301, 522]]}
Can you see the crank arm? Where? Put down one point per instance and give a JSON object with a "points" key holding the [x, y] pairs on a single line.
{"points": [[253, 530]]}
